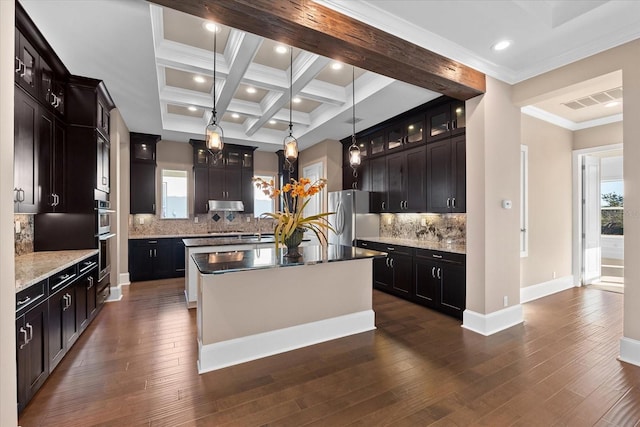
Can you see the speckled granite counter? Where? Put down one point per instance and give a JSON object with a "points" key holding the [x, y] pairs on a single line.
{"points": [[35, 266], [192, 236], [420, 244], [225, 241]]}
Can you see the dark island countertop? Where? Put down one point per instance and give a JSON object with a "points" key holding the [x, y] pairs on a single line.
{"points": [[265, 258]]}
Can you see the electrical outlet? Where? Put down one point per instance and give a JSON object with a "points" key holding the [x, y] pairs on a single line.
{"points": [[141, 221], [195, 219], [18, 228], [505, 301], [553, 276], [248, 219], [423, 222]]}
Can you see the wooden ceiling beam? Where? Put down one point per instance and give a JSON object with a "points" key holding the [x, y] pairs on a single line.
{"points": [[318, 29]]}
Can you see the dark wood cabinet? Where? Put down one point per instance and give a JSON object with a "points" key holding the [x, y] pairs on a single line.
{"points": [[26, 153], [446, 120], [143, 173], [32, 340], [440, 281], [405, 133], [151, 259], [63, 324], [379, 185], [446, 175], [394, 273], [51, 143], [26, 64], [224, 177], [103, 161], [52, 92], [86, 285], [178, 258]]}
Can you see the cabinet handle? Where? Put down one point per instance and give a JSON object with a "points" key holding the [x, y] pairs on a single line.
{"points": [[90, 280], [152, 242], [364, 244], [153, 208], [23, 301], [19, 192], [391, 262], [439, 273], [454, 124], [22, 197], [391, 249], [386, 261], [30, 328], [26, 341], [448, 126], [383, 206], [66, 302], [453, 202], [104, 180], [436, 256], [449, 202], [155, 254], [433, 272], [20, 65], [150, 256]]}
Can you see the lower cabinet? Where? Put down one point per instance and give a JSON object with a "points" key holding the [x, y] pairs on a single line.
{"points": [[50, 315], [434, 279], [152, 259], [32, 351]]}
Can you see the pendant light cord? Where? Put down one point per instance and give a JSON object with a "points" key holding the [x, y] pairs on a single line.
{"points": [[291, 91], [215, 47], [353, 89]]}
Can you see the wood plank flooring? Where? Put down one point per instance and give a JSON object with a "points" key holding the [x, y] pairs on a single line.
{"points": [[136, 366]]}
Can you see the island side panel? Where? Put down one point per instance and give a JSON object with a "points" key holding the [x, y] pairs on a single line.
{"points": [[240, 304]]}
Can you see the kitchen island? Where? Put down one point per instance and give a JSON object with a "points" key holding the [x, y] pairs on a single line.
{"points": [[256, 303]]}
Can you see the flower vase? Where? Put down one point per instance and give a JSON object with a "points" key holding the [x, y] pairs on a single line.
{"points": [[293, 242]]}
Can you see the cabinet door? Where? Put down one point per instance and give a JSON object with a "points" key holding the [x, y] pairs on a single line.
{"points": [[201, 190], [103, 118], [217, 190], [382, 273], [396, 170], [376, 143], [82, 316], [459, 180], [438, 176], [378, 169], [69, 318], [46, 146], [414, 131], [91, 286], [439, 122], [22, 361], [162, 259], [178, 258], [103, 162], [141, 261], [426, 282], [402, 266], [233, 184], [453, 289], [395, 137], [57, 304], [247, 190], [27, 63], [416, 185], [458, 118], [33, 356], [143, 189], [25, 160], [143, 152], [46, 83]]}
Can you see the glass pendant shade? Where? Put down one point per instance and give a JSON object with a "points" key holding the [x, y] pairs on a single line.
{"points": [[354, 156], [214, 137], [290, 148]]}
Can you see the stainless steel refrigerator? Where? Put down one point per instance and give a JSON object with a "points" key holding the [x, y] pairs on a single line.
{"points": [[352, 219]]}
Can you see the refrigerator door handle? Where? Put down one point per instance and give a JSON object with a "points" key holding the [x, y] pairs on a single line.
{"points": [[339, 218]]}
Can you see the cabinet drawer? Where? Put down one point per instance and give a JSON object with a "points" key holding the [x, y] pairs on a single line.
{"points": [[384, 247], [440, 256], [87, 265], [31, 296], [62, 278]]}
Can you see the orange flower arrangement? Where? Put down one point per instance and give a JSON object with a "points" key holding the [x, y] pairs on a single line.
{"points": [[295, 197]]}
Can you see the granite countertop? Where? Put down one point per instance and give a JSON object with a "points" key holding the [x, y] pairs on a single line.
{"points": [[225, 241], [455, 248], [36, 266], [195, 235], [264, 258]]}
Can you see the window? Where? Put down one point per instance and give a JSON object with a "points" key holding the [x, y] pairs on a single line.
{"points": [[261, 202], [524, 200], [174, 194], [612, 207]]}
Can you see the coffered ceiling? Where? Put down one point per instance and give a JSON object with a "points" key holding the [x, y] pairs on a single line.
{"points": [[148, 57]]}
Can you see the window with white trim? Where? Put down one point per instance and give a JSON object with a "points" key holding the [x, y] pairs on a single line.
{"points": [[174, 194], [261, 202]]}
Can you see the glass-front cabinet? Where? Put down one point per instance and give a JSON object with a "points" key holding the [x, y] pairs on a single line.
{"points": [[445, 121]]}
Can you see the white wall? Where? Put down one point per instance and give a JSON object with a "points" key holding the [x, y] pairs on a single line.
{"points": [[8, 401]]}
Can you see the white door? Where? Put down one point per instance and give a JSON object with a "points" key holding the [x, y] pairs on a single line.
{"points": [[591, 219]]}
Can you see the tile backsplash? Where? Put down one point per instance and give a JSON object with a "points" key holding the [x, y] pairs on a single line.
{"points": [[23, 240], [448, 228], [215, 222]]}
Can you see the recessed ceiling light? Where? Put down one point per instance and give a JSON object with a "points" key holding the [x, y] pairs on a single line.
{"points": [[199, 79], [210, 26], [235, 115], [192, 108], [251, 89], [501, 45], [336, 65], [282, 49], [297, 100], [272, 122], [612, 104]]}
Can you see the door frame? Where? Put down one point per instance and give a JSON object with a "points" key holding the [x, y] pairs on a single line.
{"points": [[577, 245]]}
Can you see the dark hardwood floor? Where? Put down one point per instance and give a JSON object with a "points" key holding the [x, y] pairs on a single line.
{"points": [[136, 365]]}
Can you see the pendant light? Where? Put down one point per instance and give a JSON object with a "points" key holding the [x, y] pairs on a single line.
{"points": [[290, 142], [214, 138], [354, 150]]}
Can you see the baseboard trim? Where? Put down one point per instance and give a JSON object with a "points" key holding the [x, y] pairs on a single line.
{"points": [[240, 350], [544, 289], [190, 304], [488, 324], [115, 294], [123, 279], [629, 351]]}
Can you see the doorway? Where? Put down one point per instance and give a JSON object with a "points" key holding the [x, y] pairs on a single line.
{"points": [[600, 228]]}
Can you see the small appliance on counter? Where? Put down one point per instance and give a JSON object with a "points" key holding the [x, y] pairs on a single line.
{"points": [[352, 218]]}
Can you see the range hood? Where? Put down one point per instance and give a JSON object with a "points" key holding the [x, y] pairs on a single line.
{"points": [[226, 205]]}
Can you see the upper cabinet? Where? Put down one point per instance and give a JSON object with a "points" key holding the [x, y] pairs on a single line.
{"points": [[26, 64], [405, 133], [445, 121], [143, 173], [25, 160], [446, 175]]}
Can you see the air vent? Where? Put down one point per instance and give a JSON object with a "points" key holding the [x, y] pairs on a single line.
{"points": [[595, 99]]}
